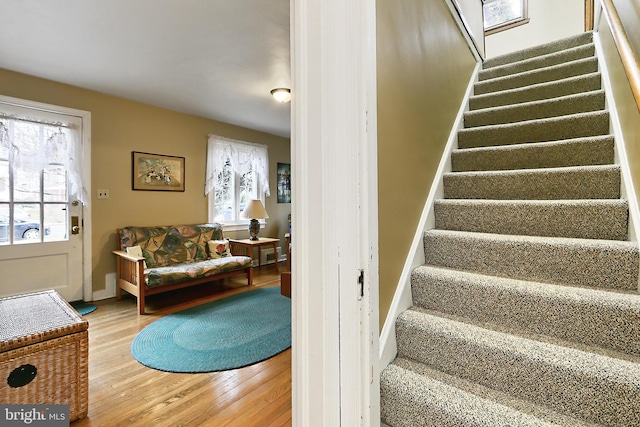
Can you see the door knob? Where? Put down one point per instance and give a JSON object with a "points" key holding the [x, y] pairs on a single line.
{"points": [[75, 225]]}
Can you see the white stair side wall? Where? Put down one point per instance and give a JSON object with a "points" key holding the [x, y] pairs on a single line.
{"points": [[627, 190]]}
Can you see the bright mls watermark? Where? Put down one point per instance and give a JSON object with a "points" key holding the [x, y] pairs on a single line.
{"points": [[34, 415]]}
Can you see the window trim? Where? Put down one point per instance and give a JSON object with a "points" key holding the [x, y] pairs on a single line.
{"points": [[509, 24]]}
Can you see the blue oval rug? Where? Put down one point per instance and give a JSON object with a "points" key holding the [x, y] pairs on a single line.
{"points": [[229, 333]]}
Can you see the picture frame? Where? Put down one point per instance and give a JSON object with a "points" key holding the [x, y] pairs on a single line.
{"points": [[284, 182], [157, 172]]}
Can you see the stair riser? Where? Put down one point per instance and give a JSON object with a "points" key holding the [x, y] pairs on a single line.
{"points": [[569, 86], [553, 129], [538, 184], [531, 308], [556, 58], [399, 409], [540, 110], [539, 50], [587, 152], [569, 390], [580, 264], [571, 69], [430, 403], [579, 221]]}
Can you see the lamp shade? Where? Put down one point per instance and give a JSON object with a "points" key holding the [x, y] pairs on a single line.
{"points": [[254, 210]]}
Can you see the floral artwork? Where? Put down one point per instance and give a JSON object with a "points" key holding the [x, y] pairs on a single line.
{"points": [[157, 172]]}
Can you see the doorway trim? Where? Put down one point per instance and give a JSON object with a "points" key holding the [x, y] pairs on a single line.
{"points": [[335, 329]]}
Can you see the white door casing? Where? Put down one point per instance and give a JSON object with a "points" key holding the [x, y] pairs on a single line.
{"points": [[334, 214], [62, 265]]}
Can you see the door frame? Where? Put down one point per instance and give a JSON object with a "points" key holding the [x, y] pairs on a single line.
{"points": [[335, 331], [87, 282]]}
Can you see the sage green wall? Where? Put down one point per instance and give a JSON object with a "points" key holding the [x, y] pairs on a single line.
{"points": [[423, 68], [625, 103], [120, 126]]}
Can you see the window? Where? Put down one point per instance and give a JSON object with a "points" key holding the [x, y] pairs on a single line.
{"points": [[500, 15], [237, 172], [38, 175]]}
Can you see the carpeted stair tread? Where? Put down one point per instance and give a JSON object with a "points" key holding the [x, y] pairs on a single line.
{"points": [[581, 219], [561, 106], [530, 307], [576, 182], [597, 150], [584, 385], [607, 264], [544, 49], [527, 78], [550, 129], [415, 395], [529, 64], [546, 90]]}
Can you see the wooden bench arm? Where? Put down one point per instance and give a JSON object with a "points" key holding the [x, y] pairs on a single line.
{"points": [[130, 276], [127, 256]]}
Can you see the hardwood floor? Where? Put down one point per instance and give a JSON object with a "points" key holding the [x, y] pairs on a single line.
{"points": [[122, 392]]}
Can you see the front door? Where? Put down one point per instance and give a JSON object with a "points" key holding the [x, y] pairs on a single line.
{"points": [[41, 244]]}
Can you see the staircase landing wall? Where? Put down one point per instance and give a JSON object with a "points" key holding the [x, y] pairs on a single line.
{"points": [[423, 67], [628, 113]]}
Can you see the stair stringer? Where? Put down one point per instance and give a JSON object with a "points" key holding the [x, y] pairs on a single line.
{"points": [[627, 190], [402, 298]]}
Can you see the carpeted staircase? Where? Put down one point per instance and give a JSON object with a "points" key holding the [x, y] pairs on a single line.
{"points": [[527, 310]]}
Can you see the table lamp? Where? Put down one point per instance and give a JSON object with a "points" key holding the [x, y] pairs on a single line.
{"points": [[254, 211]]}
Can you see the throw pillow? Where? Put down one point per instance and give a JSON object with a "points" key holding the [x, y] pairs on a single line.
{"points": [[219, 249], [136, 251]]}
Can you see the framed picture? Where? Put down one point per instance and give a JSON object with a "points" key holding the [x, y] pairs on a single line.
{"points": [[284, 183], [157, 172]]}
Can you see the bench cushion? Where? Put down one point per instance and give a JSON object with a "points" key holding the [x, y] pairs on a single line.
{"points": [[170, 245], [194, 270]]}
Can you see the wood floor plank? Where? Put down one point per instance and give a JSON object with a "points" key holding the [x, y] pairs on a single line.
{"points": [[122, 392]]}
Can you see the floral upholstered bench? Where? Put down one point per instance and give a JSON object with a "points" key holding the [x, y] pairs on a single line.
{"points": [[151, 260]]}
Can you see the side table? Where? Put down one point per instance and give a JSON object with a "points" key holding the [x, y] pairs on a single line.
{"points": [[248, 245]]}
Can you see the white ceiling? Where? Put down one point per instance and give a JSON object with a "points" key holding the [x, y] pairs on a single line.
{"points": [[213, 58]]}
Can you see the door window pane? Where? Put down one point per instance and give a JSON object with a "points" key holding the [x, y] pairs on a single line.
{"points": [[26, 223], [4, 141], [26, 185], [55, 184], [4, 224], [55, 222], [4, 181]]}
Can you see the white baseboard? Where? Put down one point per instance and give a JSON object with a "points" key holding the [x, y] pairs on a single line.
{"points": [[110, 288]]}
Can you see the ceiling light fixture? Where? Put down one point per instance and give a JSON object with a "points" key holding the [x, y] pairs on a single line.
{"points": [[281, 94]]}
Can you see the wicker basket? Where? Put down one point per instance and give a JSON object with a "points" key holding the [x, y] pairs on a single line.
{"points": [[43, 352]]}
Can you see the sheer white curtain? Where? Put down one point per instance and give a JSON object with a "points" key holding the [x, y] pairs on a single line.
{"points": [[62, 146], [242, 156]]}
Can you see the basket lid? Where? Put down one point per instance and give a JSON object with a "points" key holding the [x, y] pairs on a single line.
{"points": [[35, 317]]}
